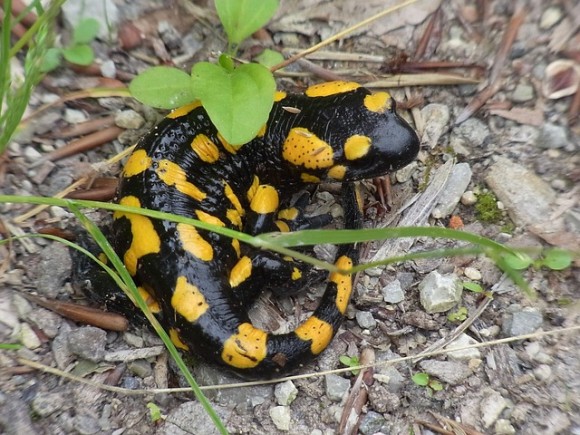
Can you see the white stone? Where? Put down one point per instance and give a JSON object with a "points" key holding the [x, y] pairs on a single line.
{"points": [[280, 416]]}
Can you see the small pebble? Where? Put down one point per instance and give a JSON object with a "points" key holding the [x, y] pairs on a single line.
{"points": [[365, 320], [280, 416], [108, 69], [472, 273], [550, 17], [503, 427], [440, 293], [522, 93], [28, 337], [73, 116], [31, 154], [542, 372], [393, 292], [285, 393], [129, 119], [468, 198], [336, 387]]}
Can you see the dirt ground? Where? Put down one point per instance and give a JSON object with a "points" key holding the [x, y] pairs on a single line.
{"points": [[492, 88]]}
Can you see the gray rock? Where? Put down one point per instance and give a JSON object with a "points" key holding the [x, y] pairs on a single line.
{"points": [[371, 423], [393, 292], [53, 269], [522, 322], [450, 372], [27, 336], [390, 376], [191, 419], [469, 134], [141, 368], [15, 415], [523, 92], [464, 354], [365, 320], [503, 427], [285, 393], [129, 119], [552, 137], [543, 372], [457, 182], [45, 403], [105, 12], [86, 424], [526, 197], [436, 117], [491, 407], [280, 416], [440, 293], [88, 343], [336, 387]]}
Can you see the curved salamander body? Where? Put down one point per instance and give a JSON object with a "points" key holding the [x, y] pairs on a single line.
{"points": [[201, 284]]}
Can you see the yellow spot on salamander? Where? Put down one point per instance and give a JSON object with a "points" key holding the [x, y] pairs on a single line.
{"points": [[173, 175], [309, 178], [227, 146], [253, 188], [343, 283], [206, 150], [265, 200], [138, 162], [337, 172], [184, 110], [194, 243], [149, 300], [236, 246], [247, 348], [234, 217], [209, 219], [145, 238], [289, 213], [304, 148], [174, 336], [317, 331], [262, 131], [188, 301], [379, 102], [296, 274], [241, 271], [279, 96], [233, 198], [282, 226], [356, 146], [331, 88]]}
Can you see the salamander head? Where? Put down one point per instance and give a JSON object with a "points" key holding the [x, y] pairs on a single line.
{"points": [[387, 144]]}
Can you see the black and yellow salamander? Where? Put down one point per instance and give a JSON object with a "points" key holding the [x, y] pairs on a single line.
{"points": [[201, 284]]}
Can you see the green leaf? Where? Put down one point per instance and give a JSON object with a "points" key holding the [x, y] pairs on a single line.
{"points": [[238, 102], [421, 379], [518, 261], [241, 18], [162, 87], [154, 412], [269, 58], [79, 54], [472, 287], [557, 259], [51, 60], [436, 385], [85, 31]]}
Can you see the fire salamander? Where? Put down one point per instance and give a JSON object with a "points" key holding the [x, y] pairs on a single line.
{"points": [[201, 284]]}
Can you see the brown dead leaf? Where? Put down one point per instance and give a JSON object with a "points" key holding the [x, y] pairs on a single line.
{"points": [[522, 115]]}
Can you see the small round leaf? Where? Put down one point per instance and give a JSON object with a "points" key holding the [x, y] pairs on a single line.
{"points": [[85, 31], [79, 54], [241, 18], [162, 87]]}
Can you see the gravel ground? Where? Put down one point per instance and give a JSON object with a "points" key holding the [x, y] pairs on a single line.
{"points": [[521, 147]]}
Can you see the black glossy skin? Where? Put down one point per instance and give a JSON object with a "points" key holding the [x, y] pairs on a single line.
{"points": [[332, 118]]}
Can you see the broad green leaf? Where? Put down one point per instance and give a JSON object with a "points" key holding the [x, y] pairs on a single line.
{"points": [[269, 58], [85, 31], [421, 379], [81, 54], [557, 259], [162, 87], [241, 18], [238, 102], [472, 287], [518, 261], [51, 59]]}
